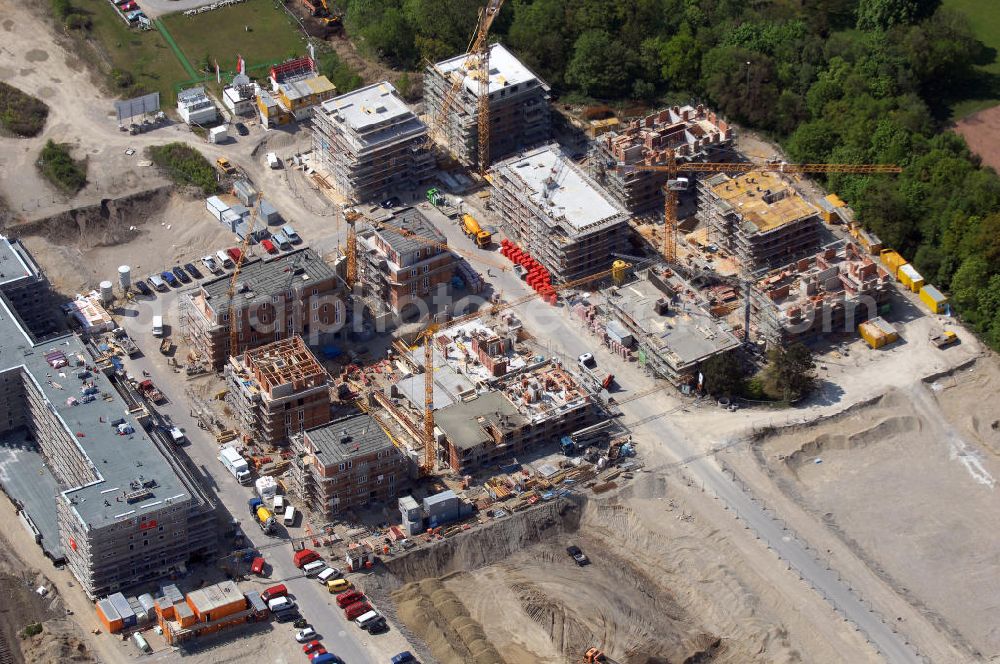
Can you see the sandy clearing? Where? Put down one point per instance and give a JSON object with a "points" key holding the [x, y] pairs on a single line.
{"points": [[982, 132]]}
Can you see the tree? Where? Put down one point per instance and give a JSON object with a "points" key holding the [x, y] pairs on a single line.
{"points": [[745, 92], [600, 66], [789, 372], [885, 14], [538, 34], [723, 375]]}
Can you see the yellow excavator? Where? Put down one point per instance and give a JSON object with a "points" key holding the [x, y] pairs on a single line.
{"points": [[596, 656]]}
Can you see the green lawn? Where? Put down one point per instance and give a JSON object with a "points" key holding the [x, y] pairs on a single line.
{"points": [[221, 35], [144, 55], [984, 17]]}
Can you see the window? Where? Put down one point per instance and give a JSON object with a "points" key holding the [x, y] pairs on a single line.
{"points": [[342, 467], [315, 306], [274, 298], [413, 272], [427, 268]]}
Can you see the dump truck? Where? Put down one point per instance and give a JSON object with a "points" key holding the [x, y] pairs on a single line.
{"points": [[944, 339], [263, 516], [471, 228], [225, 166], [148, 390]]}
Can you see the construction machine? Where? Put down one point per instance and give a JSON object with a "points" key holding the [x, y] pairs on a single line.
{"points": [[597, 656]]}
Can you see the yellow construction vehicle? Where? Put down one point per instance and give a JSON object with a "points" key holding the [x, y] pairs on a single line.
{"points": [[473, 230], [225, 166], [596, 656]]}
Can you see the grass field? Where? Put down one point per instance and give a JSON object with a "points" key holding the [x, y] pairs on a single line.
{"points": [[221, 35], [984, 16]]}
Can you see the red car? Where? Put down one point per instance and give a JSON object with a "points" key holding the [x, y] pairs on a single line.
{"points": [[346, 599], [274, 592], [234, 253], [356, 609], [269, 246], [304, 557], [257, 566], [311, 647]]}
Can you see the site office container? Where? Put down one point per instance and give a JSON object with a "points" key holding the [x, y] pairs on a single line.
{"points": [[933, 298], [892, 261], [910, 278], [877, 332], [109, 617], [357, 609]]}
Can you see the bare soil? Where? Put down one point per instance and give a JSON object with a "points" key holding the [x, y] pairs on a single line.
{"points": [[982, 132], [911, 494]]}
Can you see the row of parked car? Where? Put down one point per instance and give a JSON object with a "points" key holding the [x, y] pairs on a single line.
{"points": [[224, 259]]}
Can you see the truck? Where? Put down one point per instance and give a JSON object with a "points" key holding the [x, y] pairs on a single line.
{"points": [[125, 342], [273, 161], [944, 339], [267, 488], [225, 166], [471, 228], [589, 366], [148, 390], [235, 464], [435, 197], [263, 516]]}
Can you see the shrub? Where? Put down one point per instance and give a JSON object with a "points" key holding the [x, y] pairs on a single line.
{"points": [[122, 78], [32, 630], [185, 166], [77, 21], [21, 114], [59, 167]]}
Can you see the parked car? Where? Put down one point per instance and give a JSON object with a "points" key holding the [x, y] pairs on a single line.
{"points": [[311, 647], [403, 658], [157, 282], [578, 556], [181, 274], [143, 288], [329, 574], [290, 233], [274, 592], [281, 240], [211, 264], [192, 270], [300, 623], [241, 129], [346, 599], [269, 246], [390, 203], [338, 586], [307, 634], [169, 277], [257, 567], [234, 253]]}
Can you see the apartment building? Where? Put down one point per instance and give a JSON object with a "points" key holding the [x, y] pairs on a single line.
{"points": [[692, 133], [348, 464], [519, 105], [278, 390], [295, 293], [557, 213], [758, 217], [369, 144], [96, 490], [402, 259]]}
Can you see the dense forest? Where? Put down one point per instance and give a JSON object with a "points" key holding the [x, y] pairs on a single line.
{"points": [[832, 80]]}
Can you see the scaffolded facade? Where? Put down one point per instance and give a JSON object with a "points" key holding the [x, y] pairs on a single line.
{"points": [[519, 108], [557, 213]]}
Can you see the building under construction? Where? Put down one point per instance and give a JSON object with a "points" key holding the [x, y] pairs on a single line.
{"points": [[557, 213], [519, 105], [370, 143], [348, 464], [276, 298], [670, 324], [402, 259], [278, 390], [693, 133], [832, 291], [525, 410], [758, 217]]}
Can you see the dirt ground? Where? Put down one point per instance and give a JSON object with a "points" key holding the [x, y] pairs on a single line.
{"points": [[982, 132], [911, 494], [666, 584]]}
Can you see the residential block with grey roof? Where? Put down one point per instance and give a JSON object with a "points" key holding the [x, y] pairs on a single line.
{"points": [[124, 511], [370, 143], [291, 294], [348, 464]]}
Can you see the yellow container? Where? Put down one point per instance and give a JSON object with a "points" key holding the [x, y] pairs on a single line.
{"points": [[877, 332], [892, 261], [910, 278], [933, 298]]}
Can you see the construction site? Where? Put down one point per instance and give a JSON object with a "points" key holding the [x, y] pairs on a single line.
{"points": [[556, 212], [692, 133], [518, 105]]}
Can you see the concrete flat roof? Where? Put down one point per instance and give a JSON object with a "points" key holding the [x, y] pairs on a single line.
{"points": [[369, 106], [411, 220], [347, 438], [449, 385], [505, 70], [24, 475], [15, 262], [555, 184], [686, 335], [463, 422], [263, 278]]}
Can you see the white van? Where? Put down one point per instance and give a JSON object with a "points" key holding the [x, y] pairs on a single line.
{"points": [[157, 326], [279, 604], [224, 258], [367, 618], [289, 519], [314, 568], [279, 504], [329, 574]]}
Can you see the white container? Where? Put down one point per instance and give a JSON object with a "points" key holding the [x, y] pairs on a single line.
{"points": [[124, 277], [107, 292], [218, 134]]}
